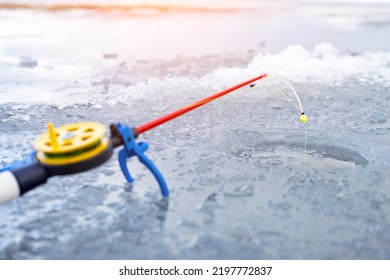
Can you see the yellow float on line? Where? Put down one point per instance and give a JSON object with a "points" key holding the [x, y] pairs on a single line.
{"points": [[303, 118]]}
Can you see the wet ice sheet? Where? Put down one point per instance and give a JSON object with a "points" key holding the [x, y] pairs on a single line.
{"points": [[239, 187], [237, 191]]}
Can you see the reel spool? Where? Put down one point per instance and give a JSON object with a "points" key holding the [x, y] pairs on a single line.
{"points": [[73, 148]]}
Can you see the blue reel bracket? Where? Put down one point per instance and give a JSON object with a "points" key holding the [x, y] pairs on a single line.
{"points": [[130, 149]]}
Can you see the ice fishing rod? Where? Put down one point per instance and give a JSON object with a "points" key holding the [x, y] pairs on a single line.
{"points": [[79, 147]]}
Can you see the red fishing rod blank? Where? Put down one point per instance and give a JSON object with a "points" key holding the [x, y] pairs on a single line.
{"points": [[147, 126]]}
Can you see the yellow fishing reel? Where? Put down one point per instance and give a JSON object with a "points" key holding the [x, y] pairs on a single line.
{"points": [[73, 148]]}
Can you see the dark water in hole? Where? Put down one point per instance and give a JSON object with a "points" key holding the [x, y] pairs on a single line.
{"points": [[294, 151]]}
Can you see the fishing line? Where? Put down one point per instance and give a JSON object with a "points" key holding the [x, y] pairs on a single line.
{"points": [[287, 98], [299, 105], [303, 117], [296, 95], [305, 158]]}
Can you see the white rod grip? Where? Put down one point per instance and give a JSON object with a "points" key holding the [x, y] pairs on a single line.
{"points": [[9, 186]]}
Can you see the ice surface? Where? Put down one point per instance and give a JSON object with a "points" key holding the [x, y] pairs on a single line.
{"points": [[239, 186]]}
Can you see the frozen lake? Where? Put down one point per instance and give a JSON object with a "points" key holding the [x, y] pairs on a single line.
{"points": [[235, 167]]}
